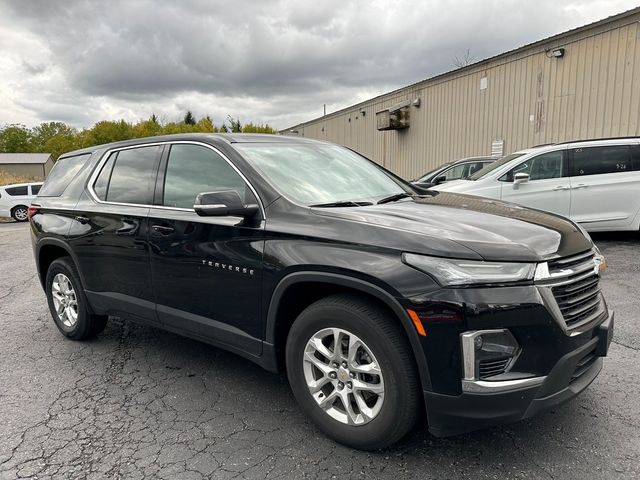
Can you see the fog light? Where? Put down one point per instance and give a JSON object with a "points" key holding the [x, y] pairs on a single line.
{"points": [[487, 353]]}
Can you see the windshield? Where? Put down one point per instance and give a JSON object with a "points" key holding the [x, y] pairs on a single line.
{"points": [[492, 166], [426, 176], [321, 174]]}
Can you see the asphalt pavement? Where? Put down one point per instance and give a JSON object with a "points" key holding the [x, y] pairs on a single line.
{"points": [[138, 402]]}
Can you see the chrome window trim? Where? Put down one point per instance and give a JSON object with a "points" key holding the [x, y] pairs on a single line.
{"points": [[107, 154]]}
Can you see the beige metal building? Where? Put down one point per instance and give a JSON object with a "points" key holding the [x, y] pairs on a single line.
{"points": [[580, 84], [34, 166]]}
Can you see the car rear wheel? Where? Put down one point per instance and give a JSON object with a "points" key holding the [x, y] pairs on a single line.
{"points": [[351, 369], [19, 213], [68, 303]]}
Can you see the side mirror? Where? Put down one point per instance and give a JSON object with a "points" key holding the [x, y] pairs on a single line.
{"points": [[222, 204], [422, 188], [519, 178], [440, 179]]}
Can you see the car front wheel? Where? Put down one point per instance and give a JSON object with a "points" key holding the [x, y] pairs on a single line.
{"points": [[351, 369]]}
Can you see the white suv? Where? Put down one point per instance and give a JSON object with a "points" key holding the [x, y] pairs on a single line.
{"points": [[15, 199], [596, 182]]}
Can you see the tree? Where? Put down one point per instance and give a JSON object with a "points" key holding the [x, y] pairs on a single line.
{"points": [[189, 119], [234, 124], [251, 128], [147, 128], [55, 138], [15, 138], [108, 131], [466, 59], [206, 125]]}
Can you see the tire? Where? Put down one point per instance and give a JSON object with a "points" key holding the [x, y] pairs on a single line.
{"points": [[75, 320], [19, 213], [381, 341]]}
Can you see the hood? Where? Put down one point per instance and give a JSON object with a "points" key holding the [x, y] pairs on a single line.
{"points": [[492, 229]]}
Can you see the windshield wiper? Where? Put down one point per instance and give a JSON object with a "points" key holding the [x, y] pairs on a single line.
{"points": [[346, 203], [394, 198]]}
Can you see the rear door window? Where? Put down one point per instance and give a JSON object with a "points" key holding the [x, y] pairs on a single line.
{"points": [[63, 172], [129, 176], [599, 160], [17, 191]]}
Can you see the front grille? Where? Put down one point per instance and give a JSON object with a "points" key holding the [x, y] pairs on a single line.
{"points": [[490, 368], [576, 288]]}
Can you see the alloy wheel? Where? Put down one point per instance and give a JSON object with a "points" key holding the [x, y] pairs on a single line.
{"points": [[20, 213], [65, 301], [343, 376]]}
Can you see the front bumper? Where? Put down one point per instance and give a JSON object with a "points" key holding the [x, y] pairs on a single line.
{"points": [[451, 415]]}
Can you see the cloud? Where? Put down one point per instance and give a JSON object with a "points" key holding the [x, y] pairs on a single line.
{"points": [[265, 61]]}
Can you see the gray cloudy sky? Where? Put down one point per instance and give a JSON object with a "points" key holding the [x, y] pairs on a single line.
{"points": [[80, 61]]}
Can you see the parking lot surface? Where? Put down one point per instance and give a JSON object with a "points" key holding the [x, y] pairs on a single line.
{"points": [[138, 402]]}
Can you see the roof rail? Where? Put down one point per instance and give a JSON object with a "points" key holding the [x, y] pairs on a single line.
{"points": [[542, 145], [630, 137]]}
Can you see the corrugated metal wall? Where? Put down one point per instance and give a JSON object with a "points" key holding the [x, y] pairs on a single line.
{"points": [[531, 98]]}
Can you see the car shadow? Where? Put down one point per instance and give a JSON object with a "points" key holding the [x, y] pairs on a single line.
{"points": [[263, 398]]}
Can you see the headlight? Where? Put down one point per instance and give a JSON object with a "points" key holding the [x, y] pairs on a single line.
{"points": [[450, 272]]}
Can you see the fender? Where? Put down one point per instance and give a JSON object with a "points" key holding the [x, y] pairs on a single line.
{"points": [[355, 284], [58, 243]]}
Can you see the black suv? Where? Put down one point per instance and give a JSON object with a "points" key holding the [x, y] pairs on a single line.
{"points": [[381, 303]]}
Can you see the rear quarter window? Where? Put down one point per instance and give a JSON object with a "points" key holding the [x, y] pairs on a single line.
{"points": [[17, 191], [62, 174]]}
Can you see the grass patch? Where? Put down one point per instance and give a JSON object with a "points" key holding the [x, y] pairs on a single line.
{"points": [[8, 178]]}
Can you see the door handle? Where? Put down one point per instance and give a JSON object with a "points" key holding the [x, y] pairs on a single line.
{"points": [[581, 185], [162, 229], [129, 227], [561, 187], [82, 219]]}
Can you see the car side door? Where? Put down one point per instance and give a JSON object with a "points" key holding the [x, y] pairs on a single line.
{"points": [[547, 186], [604, 186], [109, 232], [206, 271]]}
